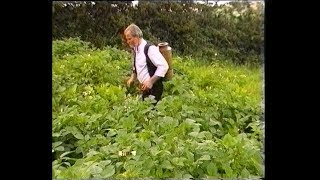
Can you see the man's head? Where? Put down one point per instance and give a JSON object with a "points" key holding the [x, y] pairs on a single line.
{"points": [[133, 34]]}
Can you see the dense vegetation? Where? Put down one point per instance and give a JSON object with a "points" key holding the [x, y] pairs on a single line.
{"points": [[208, 125], [234, 31]]}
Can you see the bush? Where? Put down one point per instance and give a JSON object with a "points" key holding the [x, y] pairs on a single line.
{"points": [[190, 29]]}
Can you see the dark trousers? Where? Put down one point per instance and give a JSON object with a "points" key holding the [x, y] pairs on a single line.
{"points": [[156, 91]]}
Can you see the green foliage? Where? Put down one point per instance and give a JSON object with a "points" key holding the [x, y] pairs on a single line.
{"points": [[234, 32], [69, 46], [206, 126]]}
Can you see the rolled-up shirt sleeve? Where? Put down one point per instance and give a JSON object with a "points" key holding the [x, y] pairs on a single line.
{"points": [[158, 60]]}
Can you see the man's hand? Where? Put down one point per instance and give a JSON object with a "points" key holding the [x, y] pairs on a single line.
{"points": [[147, 84], [130, 81]]}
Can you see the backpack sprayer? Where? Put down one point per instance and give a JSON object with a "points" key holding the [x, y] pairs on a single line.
{"points": [[165, 50]]}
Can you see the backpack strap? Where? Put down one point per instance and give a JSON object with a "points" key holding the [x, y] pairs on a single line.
{"points": [[134, 61], [151, 67]]}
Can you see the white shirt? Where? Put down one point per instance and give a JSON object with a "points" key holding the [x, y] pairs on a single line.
{"points": [[156, 58]]}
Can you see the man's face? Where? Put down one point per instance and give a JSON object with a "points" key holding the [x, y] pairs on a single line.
{"points": [[132, 41]]}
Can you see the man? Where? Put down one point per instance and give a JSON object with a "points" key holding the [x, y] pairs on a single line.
{"points": [[150, 78]]}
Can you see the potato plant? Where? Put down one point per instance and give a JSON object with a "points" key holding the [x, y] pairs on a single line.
{"points": [[208, 124]]}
